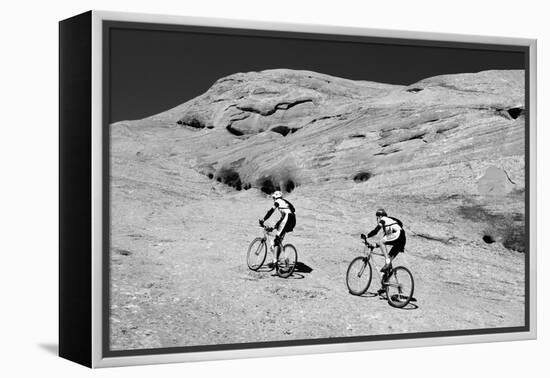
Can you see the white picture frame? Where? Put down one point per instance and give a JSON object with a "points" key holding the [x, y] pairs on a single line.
{"points": [[83, 244]]}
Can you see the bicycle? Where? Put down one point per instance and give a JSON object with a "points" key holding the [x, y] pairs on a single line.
{"points": [[397, 283], [257, 252]]}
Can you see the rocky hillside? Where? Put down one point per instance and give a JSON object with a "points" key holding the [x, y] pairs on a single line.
{"points": [[446, 155], [446, 136]]}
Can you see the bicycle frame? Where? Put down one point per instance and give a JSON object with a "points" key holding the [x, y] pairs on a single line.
{"points": [[268, 235], [389, 279], [284, 257], [369, 251]]}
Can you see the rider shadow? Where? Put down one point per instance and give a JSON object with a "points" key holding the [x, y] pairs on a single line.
{"points": [[302, 268], [299, 271], [411, 305], [408, 307], [265, 268], [369, 294]]}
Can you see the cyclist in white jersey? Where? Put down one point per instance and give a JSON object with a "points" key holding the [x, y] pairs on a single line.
{"points": [[285, 224], [394, 236]]}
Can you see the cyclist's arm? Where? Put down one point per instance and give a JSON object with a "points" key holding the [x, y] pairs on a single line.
{"points": [[269, 212], [374, 231]]}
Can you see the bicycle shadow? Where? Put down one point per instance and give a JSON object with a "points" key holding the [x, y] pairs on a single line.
{"points": [[370, 294], [265, 269], [382, 297], [410, 306], [299, 271], [302, 268]]}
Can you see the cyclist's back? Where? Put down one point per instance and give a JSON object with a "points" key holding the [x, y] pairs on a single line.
{"points": [[394, 235], [286, 223]]}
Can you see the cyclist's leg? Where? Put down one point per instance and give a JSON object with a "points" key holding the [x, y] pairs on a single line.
{"points": [[278, 245], [392, 254], [279, 234], [383, 248], [272, 248], [383, 281], [391, 240], [284, 227]]}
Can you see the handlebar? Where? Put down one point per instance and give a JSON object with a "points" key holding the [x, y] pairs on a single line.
{"points": [[369, 245], [267, 228]]}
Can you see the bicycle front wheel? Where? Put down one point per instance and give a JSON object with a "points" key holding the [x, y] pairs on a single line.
{"points": [[287, 261], [400, 287], [257, 252], [359, 275]]}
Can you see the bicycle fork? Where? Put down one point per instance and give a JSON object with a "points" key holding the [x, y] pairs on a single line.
{"points": [[366, 262]]}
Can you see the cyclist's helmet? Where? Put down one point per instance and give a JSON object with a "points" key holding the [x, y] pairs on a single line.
{"points": [[277, 194], [381, 213]]}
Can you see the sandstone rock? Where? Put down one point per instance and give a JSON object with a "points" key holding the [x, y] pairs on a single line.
{"points": [[442, 137], [495, 182], [188, 186], [303, 126]]}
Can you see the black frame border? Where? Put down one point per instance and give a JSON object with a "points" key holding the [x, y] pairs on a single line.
{"points": [[107, 26], [75, 189]]}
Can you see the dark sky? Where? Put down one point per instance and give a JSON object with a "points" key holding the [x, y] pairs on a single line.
{"points": [[152, 71]]}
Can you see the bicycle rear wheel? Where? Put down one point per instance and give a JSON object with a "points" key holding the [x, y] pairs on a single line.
{"points": [[257, 252], [359, 275], [400, 287], [287, 261]]}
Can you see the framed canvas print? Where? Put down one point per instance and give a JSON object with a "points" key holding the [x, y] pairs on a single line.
{"points": [[235, 189]]}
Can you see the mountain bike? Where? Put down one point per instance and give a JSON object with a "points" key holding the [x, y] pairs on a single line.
{"points": [[257, 252], [397, 282]]}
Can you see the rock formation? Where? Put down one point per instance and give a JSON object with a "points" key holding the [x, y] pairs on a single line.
{"points": [[446, 155], [282, 129]]}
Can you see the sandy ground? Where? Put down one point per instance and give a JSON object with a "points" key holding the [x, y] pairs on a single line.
{"points": [[179, 275]]}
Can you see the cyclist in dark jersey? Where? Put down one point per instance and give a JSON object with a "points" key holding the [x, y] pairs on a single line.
{"points": [[285, 224], [394, 236]]}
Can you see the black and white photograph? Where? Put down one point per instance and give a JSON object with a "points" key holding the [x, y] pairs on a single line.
{"points": [[277, 188], [292, 188]]}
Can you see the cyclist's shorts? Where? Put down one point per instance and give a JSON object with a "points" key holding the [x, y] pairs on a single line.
{"points": [[290, 223], [398, 244]]}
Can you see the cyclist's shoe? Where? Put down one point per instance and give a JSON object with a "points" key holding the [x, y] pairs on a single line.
{"points": [[381, 291]]}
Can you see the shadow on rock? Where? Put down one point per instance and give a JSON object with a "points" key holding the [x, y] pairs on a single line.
{"points": [[295, 276], [369, 294], [298, 270], [302, 268], [409, 306]]}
